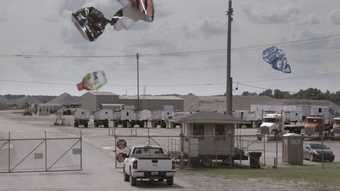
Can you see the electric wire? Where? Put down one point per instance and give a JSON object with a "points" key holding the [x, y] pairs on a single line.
{"points": [[174, 53]]}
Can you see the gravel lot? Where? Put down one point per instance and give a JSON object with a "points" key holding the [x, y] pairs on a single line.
{"points": [[98, 164]]}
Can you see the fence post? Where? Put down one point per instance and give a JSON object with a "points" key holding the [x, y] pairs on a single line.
{"points": [[45, 139], [264, 150], [115, 149], [182, 149], [241, 149], [81, 149], [9, 151]]}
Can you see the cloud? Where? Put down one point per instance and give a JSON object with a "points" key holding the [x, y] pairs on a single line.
{"points": [[310, 40], [72, 5], [3, 19], [311, 19], [334, 17], [278, 15], [211, 28]]}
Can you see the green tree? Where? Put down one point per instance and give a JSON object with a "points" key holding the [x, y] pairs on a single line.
{"points": [[268, 92], [246, 93], [281, 94]]}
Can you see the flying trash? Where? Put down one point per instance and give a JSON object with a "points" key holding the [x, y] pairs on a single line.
{"points": [[91, 22], [277, 59], [92, 81]]}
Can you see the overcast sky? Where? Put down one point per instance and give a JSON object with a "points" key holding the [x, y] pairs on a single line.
{"points": [[44, 27]]}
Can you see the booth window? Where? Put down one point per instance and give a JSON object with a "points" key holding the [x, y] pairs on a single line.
{"points": [[198, 130], [220, 131]]}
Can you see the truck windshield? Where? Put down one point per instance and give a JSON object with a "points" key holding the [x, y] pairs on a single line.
{"points": [[271, 120], [147, 151], [314, 120], [318, 146]]}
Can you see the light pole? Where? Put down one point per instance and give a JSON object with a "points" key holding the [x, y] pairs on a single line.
{"points": [[138, 101], [229, 80]]}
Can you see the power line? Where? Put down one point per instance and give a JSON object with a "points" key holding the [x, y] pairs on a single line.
{"points": [[174, 53], [249, 83], [133, 85], [294, 78]]}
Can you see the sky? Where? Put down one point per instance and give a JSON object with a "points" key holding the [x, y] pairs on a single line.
{"points": [[308, 31]]}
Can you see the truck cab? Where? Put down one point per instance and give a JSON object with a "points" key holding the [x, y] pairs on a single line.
{"points": [[81, 117], [313, 125], [271, 125], [336, 127]]}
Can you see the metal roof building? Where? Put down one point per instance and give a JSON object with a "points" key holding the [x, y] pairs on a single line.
{"points": [[217, 103], [94, 100], [154, 103]]}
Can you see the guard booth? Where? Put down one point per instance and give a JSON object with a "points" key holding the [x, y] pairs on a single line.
{"points": [[207, 137], [292, 149]]}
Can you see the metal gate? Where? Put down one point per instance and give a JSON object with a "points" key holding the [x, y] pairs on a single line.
{"points": [[44, 154]]}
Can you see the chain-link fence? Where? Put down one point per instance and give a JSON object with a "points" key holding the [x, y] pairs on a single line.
{"points": [[193, 151], [228, 150]]}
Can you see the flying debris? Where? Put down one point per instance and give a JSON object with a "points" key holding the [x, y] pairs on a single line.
{"points": [[92, 81], [277, 59], [91, 22]]}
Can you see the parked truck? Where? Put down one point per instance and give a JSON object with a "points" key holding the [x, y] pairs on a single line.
{"points": [[271, 125], [315, 125], [102, 118], [81, 118], [336, 127]]}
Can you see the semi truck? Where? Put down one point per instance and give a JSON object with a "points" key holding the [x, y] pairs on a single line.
{"points": [[315, 126], [336, 127], [82, 118], [102, 118], [271, 125]]}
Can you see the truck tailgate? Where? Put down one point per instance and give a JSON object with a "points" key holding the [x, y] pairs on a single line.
{"points": [[159, 164]]}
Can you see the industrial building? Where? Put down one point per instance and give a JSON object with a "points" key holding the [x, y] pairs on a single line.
{"points": [[94, 101], [251, 108], [64, 100]]}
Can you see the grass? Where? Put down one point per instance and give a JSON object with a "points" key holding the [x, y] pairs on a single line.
{"points": [[313, 174]]}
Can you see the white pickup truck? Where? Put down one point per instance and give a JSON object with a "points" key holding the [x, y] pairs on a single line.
{"points": [[148, 162]]}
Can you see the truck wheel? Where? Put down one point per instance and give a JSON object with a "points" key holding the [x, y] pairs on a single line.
{"points": [[170, 181], [133, 181], [76, 124], [160, 180]]}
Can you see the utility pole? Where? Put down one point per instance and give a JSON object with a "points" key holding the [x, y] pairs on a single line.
{"points": [[229, 80], [138, 101]]}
